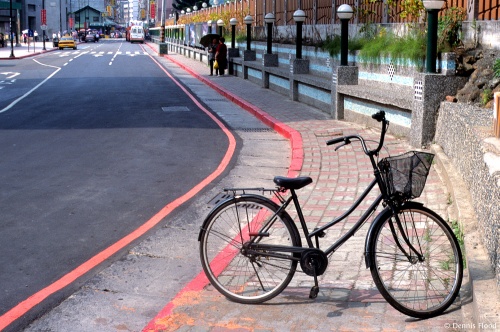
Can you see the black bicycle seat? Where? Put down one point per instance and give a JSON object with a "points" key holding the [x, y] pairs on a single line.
{"points": [[292, 183]]}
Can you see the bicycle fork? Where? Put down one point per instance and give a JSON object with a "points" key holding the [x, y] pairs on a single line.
{"points": [[409, 256]]}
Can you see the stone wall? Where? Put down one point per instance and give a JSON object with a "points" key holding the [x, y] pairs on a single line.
{"points": [[465, 130]]}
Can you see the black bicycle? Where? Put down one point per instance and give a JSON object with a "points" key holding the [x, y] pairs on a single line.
{"points": [[250, 246]]}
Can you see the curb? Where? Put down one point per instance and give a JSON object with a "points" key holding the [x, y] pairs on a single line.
{"points": [[480, 291], [160, 321]]}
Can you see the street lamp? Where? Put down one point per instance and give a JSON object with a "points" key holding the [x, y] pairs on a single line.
{"points": [[204, 5], [432, 7], [345, 13], [299, 16], [248, 20], [269, 19], [195, 8], [209, 26], [233, 23], [220, 24]]}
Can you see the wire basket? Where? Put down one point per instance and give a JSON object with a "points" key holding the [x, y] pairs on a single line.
{"points": [[405, 175]]}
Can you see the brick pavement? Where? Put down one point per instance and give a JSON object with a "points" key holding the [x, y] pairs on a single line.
{"points": [[348, 299]]}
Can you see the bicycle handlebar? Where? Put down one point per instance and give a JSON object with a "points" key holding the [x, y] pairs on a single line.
{"points": [[380, 117]]}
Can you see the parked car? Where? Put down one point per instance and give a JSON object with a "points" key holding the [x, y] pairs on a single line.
{"points": [[67, 42], [90, 38], [55, 42]]}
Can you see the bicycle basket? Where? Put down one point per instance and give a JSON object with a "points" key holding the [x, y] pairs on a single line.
{"points": [[405, 175]]}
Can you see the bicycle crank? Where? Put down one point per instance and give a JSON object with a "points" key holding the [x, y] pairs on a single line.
{"points": [[313, 262]]}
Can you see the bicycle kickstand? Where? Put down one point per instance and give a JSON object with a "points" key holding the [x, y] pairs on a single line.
{"points": [[313, 293]]}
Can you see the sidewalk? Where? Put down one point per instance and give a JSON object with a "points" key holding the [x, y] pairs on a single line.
{"points": [[348, 299], [24, 50]]}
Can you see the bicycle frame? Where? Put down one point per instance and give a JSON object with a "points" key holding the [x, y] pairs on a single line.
{"points": [[254, 246], [319, 231]]}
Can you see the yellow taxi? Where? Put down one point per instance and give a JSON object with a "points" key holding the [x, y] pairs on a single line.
{"points": [[67, 42]]}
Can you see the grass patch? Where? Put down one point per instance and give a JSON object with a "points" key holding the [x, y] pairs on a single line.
{"points": [[459, 233]]}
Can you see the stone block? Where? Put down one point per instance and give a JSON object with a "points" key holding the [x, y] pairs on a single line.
{"points": [[299, 66], [162, 48], [270, 60], [249, 55], [233, 53]]}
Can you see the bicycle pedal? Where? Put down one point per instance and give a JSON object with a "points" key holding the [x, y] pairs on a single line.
{"points": [[314, 292]]}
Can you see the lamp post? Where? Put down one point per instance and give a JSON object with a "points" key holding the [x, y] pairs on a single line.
{"points": [[11, 36], [345, 13], [233, 23], [248, 20], [204, 5], [432, 7], [299, 17], [220, 24], [209, 26], [269, 19]]}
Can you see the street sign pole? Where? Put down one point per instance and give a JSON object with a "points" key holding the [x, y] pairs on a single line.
{"points": [[44, 23]]}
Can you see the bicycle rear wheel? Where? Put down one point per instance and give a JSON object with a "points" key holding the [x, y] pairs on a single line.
{"points": [[242, 275], [424, 287]]}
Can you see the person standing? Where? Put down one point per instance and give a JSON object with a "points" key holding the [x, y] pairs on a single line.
{"points": [[221, 57], [212, 49]]}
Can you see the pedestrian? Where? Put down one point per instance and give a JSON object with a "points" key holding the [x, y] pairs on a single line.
{"points": [[221, 57], [2, 42], [212, 49], [36, 35], [25, 38]]}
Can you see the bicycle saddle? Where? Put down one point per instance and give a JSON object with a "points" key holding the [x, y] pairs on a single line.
{"points": [[292, 183]]}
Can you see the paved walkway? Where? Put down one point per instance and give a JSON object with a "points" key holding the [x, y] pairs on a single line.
{"points": [[348, 299], [24, 50]]}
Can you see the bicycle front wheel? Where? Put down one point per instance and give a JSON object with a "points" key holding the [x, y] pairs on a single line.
{"points": [[243, 275], [422, 281]]}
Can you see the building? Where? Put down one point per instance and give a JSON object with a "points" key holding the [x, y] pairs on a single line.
{"points": [[60, 15]]}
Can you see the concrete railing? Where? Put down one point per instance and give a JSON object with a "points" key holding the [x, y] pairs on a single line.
{"points": [[409, 98]]}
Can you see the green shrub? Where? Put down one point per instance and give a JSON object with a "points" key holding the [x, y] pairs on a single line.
{"points": [[496, 68], [411, 47], [486, 96]]}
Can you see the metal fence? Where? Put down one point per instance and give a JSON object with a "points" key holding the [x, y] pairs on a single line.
{"points": [[324, 11]]}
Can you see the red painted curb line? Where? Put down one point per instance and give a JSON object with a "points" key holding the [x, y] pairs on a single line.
{"points": [[281, 128], [295, 138]]}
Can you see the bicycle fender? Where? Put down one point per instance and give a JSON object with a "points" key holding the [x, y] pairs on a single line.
{"points": [[381, 217], [232, 200]]}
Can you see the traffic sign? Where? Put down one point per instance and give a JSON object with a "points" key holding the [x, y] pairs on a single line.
{"points": [[44, 27]]}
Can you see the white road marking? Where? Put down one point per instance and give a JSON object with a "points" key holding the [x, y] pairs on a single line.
{"points": [[36, 87]]}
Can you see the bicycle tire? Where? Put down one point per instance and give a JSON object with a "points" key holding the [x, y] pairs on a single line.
{"points": [[242, 278], [420, 289]]}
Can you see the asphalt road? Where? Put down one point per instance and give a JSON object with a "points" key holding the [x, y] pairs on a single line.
{"points": [[95, 142]]}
